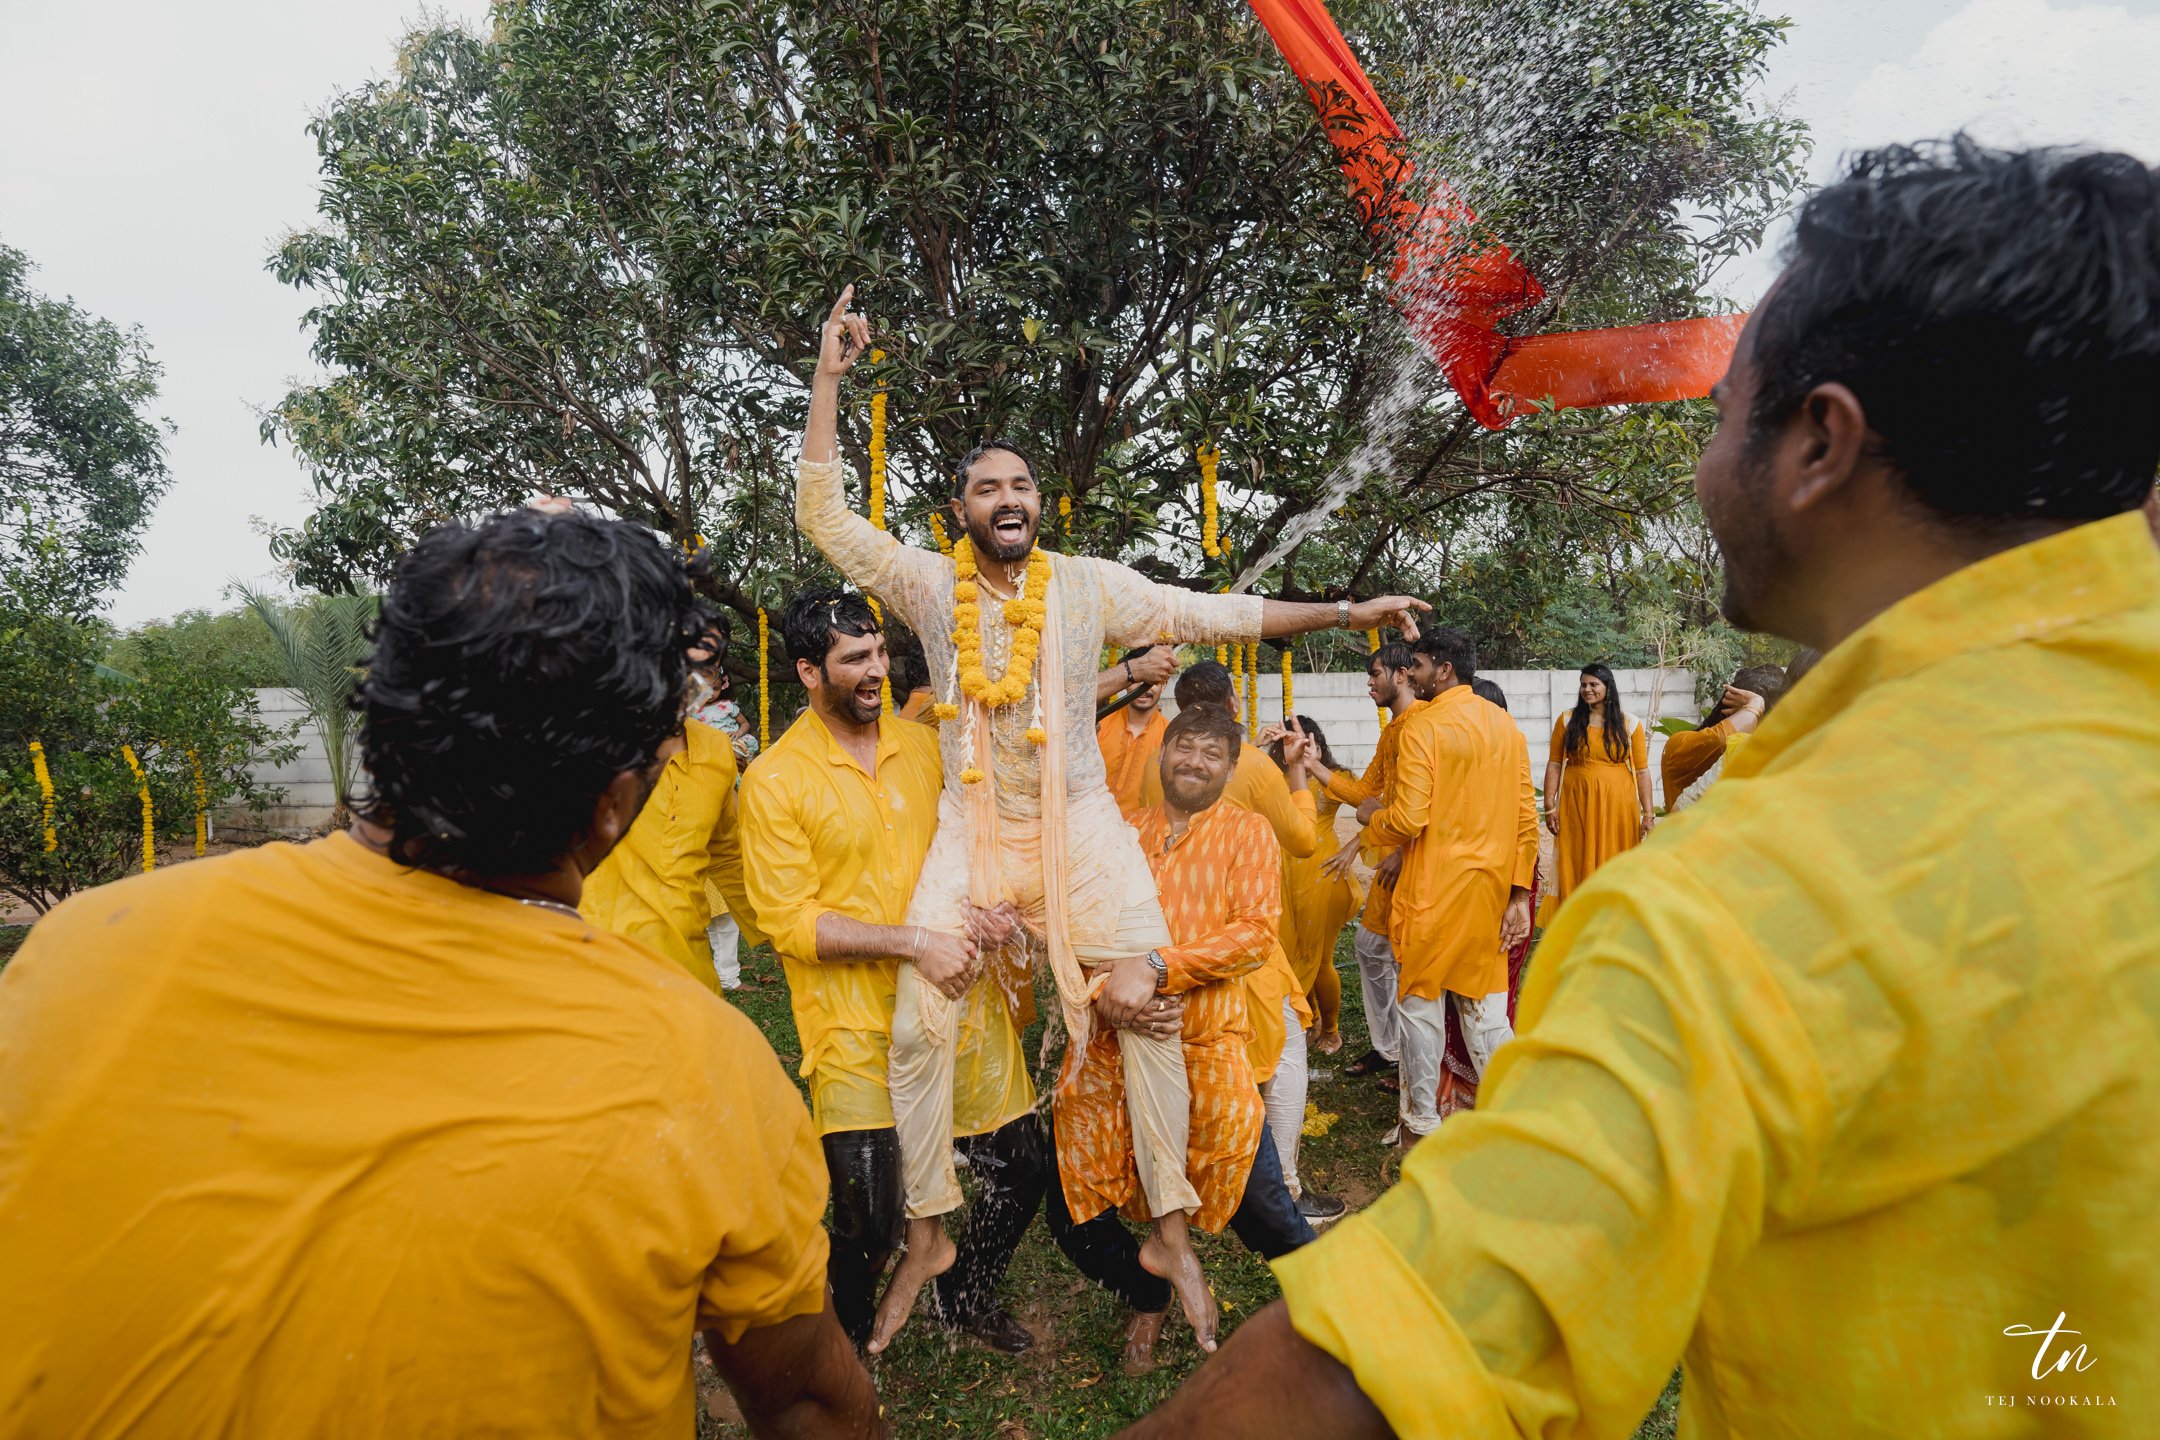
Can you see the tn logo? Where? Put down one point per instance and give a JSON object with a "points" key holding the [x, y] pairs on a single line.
{"points": [[2075, 1359]]}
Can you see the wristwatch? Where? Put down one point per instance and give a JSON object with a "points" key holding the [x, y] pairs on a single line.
{"points": [[1342, 612], [1161, 968]]}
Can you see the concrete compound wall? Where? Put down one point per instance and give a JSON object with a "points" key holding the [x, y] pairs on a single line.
{"points": [[310, 794], [1535, 697]]}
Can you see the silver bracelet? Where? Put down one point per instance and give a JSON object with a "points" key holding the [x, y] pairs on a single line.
{"points": [[917, 941], [1342, 612]]}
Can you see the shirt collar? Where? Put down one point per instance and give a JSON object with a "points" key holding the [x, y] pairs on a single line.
{"points": [[2029, 592], [888, 740]]}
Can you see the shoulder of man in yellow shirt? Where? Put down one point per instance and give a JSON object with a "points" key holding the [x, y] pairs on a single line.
{"points": [[1912, 935], [536, 1132]]}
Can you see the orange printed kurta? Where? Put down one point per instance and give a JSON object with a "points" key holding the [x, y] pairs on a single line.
{"points": [[1466, 814], [1259, 786], [1126, 756], [1600, 811], [1377, 780], [1221, 889]]}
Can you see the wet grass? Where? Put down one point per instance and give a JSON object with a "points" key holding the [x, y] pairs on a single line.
{"points": [[1069, 1386]]}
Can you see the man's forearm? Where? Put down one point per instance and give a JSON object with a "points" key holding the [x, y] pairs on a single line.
{"points": [[1297, 617], [1267, 1380], [1109, 682], [842, 937], [821, 436], [800, 1380]]}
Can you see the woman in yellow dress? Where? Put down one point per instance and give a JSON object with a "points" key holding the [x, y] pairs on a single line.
{"points": [[1317, 905], [1597, 781]]}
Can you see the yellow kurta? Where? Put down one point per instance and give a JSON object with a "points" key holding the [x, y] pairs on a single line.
{"points": [[1316, 905], [1464, 811], [1128, 757], [1600, 803], [820, 835], [1375, 783], [1851, 1068], [652, 885], [298, 1141], [1690, 754]]}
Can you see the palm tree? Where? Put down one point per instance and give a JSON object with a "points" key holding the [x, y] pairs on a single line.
{"points": [[321, 646]]}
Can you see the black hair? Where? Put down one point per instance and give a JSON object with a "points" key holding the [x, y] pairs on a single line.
{"points": [[910, 670], [813, 621], [1998, 315], [1485, 690], [1578, 724], [1205, 682], [967, 463], [520, 665], [1207, 720], [1394, 655], [1767, 681], [1314, 733], [1444, 643]]}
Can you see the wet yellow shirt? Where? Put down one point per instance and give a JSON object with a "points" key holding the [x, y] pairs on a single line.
{"points": [[652, 886], [299, 1142], [1854, 1066], [819, 835]]}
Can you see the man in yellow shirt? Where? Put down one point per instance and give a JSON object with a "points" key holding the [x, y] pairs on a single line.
{"points": [[837, 817], [1463, 811], [378, 1135], [1842, 1086]]}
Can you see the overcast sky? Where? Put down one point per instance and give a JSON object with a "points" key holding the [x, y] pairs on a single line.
{"points": [[152, 153]]}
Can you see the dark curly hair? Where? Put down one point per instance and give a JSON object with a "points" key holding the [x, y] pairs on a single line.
{"points": [[1204, 682], [814, 621], [520, 665], [1998, 315]]}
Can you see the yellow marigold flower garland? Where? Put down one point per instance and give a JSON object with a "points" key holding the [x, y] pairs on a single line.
{"points": [[1026, 613], [764, 685], [877, 448], [877, 611], [149, 818], [1236, 662], [202, 806], [1210, 513], [45, 795], [1252, 692], [1287, 707], [937, 533]]}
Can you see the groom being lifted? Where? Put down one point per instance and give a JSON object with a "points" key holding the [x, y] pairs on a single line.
{"points": [[1028, 833]]}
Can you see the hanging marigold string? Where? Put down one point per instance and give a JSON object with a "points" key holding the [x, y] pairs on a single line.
{"points": [[1286, 702], [1210, 511], [202, 806], [1372, 638], [937, 533], [877, 448], [45, 795], [1235, 659], [149, 817], [764, 684], [877, 612], [1252, 692]]}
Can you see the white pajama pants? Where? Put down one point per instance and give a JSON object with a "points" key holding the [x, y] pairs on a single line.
{"points": [[1424, 1042], [1378, 979], [726, 939], [1284, 1094]]}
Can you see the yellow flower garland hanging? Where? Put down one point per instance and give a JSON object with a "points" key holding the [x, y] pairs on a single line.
{"points": [[1237, 666], [937, 533], [45, 795], [877, 613], [764, 686], [877, 448], [1210, 512], [1252, 693], [1026, 614], [149, 818], [1287, 706], [202, 806]]}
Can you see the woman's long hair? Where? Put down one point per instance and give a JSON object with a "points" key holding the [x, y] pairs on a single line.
{"points": [[1312, 729], [1578, 724]]}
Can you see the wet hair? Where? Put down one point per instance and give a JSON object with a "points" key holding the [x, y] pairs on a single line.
{"points": [[1485, 690], [1313, 732], [814, 621], [520, 665], [1577, 737], [1998, 315], [1206, 720], [1446, 644], [1205, 682], [967, 463], [1394, 655], [910, 671]]}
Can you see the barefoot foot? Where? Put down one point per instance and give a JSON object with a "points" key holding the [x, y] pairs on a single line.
{"points": [[1141, 1333], [928, 1254], [1328, 1042], [1168, 1253]]}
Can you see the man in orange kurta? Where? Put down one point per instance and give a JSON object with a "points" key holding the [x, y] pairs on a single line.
{"points": [[1466, 817], [1216, 869], [1129, 739], [1387, 680]]}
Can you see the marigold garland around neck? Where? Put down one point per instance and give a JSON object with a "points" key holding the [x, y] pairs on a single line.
{"points": [[1025, 612], [45, 795], [149, 818]]}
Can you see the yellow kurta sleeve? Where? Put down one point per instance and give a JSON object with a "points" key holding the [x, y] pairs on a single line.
{"points": [[1260, 787], [1526, 830], [1410, 792], [1639, 750], [1556, 753], [912, 581], [1689, 754], [780, 879], [724, 863], [1539, 1269]]}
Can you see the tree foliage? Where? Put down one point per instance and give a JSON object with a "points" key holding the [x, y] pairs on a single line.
{"points": [[320, 647], [232, 643], [81, 461], [586, 254], [54, 691]]}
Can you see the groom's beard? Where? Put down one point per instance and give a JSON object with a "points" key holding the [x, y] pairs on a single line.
{"points": [[989, 545]]}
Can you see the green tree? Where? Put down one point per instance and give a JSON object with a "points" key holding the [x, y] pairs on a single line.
{"points": [[320, 647], [586, 254], [82, 463], [174, 716], [234, 642]]}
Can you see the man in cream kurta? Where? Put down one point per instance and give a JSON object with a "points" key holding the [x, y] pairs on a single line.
{"points": [[1039, 831]]}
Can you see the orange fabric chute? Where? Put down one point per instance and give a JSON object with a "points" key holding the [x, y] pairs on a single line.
{"points": [[1455, 287]]}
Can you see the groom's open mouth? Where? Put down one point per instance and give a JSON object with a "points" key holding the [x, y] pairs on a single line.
{"points": [[1009, 526]]}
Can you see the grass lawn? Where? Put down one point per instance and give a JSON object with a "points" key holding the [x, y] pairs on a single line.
{"points": [[1069, 1386]]}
